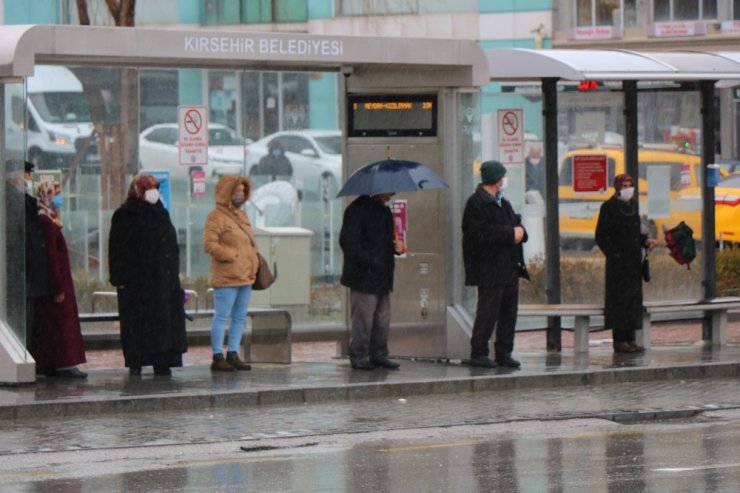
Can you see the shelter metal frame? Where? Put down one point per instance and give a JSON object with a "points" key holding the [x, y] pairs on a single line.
{"points": [[702, 70]]}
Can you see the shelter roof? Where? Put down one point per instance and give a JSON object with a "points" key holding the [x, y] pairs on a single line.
{"points": [[608, 64], [455, 62]]}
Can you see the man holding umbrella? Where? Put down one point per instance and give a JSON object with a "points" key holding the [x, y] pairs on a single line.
{"points": [[492, 236], [369, 246]]}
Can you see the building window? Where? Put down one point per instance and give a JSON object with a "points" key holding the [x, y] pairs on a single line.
{"points": [[605, 12], [736, 10], [684, 10], [247, 12]]}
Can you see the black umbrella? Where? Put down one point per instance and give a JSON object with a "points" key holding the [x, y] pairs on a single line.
{"points": [[391, 176]]}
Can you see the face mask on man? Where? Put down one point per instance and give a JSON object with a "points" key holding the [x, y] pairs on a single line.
{"points": [[151, 195], [504, 183], [238, 200], [29, 187], [277, 152], [625, 194]]}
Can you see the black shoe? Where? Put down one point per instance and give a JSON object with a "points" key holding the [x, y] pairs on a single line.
{"points": [[385, 363], [71, 373], [134, 371], [363, 364], [163, 371], [482, 362], [507, 361]]}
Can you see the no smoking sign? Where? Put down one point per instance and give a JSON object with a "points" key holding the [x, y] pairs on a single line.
{"points": [[193, 135], [510, 136]]}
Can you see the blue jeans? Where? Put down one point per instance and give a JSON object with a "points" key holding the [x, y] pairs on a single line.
{"points": [[229, 302]]}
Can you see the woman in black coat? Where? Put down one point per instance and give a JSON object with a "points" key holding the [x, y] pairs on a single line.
{"points": [[144, 262], [619, 238]]}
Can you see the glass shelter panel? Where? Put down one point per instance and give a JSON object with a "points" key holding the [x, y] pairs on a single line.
{"points": [[591, 125], [127, 121], [13, 238], [591, 130]]}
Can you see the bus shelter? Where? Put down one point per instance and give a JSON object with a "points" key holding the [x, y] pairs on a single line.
{"points": [[414, 83], [630, 74]]}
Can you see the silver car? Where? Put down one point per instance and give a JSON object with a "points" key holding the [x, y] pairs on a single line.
{"points": [[158, 150]]}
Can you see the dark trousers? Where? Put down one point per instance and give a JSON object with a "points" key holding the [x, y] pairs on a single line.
{"points": [[370, 316], [497, 309]]}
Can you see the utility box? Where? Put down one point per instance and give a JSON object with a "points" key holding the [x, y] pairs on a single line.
{"points": [[288, 251]]}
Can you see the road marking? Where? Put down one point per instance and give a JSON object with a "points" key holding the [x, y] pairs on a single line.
{"points": [[34, 474], [422, 447], [697, 468]]}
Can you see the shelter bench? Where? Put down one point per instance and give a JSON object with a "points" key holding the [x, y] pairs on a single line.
{"points": [[268, 342], [582, 314], [716, 308]]}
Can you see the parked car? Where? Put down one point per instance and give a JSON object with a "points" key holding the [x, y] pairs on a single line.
{"points": [[727, 210], [158, 150], [315, 155]]}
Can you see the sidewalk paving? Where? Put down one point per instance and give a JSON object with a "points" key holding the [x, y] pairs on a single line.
{"points": [[316, 377]]}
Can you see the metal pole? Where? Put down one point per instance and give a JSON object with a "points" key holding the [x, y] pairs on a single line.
{"points": [[552, 223], [630, 133], [708, 220]]}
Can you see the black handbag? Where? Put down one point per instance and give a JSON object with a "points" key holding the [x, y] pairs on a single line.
{"points": [[646, 267]]}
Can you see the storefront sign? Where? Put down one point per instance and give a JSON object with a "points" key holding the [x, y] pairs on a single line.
{"points": [[674, 29], [593, 32]]}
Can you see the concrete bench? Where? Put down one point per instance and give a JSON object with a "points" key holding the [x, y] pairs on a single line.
{"points": [[269, 340], [716, 309], [581, 313]]}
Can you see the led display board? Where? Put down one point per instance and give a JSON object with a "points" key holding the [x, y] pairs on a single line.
{"points": [[392, 115]]}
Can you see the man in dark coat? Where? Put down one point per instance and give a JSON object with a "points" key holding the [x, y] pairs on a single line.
{"points": [[369, 247], [619, 238], [492, 235], [144, 261]]}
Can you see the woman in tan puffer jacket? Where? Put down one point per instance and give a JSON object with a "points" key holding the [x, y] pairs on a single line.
{"points": [[229, 240]]}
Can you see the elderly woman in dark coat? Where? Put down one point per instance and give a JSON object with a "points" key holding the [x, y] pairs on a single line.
{"points": [[56, 339], [619, 238], [144, 262]]}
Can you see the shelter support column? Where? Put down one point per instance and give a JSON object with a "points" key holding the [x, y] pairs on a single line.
{"points": [[552, 223], [707, 223], [630, 132]]}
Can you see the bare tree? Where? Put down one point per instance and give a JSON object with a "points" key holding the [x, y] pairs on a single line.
{"points": [[117, 141]]}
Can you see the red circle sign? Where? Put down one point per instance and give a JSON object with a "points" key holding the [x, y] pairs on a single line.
{"points": [[192, 122], [510, 123]]}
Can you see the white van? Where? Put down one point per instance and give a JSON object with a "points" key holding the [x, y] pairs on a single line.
{"points": [[57, 114]]}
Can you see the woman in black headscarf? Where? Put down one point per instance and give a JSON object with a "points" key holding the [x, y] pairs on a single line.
{"points": [[619, 238], [144, 261]]}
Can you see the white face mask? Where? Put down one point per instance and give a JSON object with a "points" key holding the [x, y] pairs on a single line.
{"points": [[504, 183], [151, 195], [29, 187], [625, 194]]}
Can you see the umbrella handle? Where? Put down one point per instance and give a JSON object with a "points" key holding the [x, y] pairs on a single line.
{"points": [[388, 152]]}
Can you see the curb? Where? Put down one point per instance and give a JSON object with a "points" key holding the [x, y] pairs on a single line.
{"points": [[363, 391]]}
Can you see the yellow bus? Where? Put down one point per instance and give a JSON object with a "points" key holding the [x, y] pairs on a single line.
{"points": [[579, 212]]}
